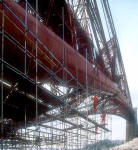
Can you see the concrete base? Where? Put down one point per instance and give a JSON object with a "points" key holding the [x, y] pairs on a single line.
{"points": [[132, 128]]}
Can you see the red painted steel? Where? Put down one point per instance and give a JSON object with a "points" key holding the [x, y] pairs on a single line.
{"points": [[95, 103], [55, 45]]}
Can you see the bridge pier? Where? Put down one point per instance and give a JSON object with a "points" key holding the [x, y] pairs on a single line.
{"points": [[132, 128]]}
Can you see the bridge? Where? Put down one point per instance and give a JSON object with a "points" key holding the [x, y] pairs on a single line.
{"points": [[61, 66]]}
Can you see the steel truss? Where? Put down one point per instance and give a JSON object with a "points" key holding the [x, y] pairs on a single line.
{"points": [[47, 108]]}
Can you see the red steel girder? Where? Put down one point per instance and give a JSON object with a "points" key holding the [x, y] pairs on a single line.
{"points": [[55, 45]]}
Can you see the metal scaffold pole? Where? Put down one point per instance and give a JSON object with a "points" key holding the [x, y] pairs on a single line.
{"points": [[36, 78], [2, 69]]}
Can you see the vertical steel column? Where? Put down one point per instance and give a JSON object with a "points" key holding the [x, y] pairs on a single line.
{"points": [[64, 76], [86, 103], [36, 70], [77, 116], [63, 49], [2, 68], [25, 63], [26, 6]]}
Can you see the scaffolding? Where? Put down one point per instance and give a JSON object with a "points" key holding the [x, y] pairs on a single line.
{"points": [[43, 104]]}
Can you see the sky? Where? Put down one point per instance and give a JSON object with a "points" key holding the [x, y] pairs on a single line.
{"points": [[125, 15]]}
